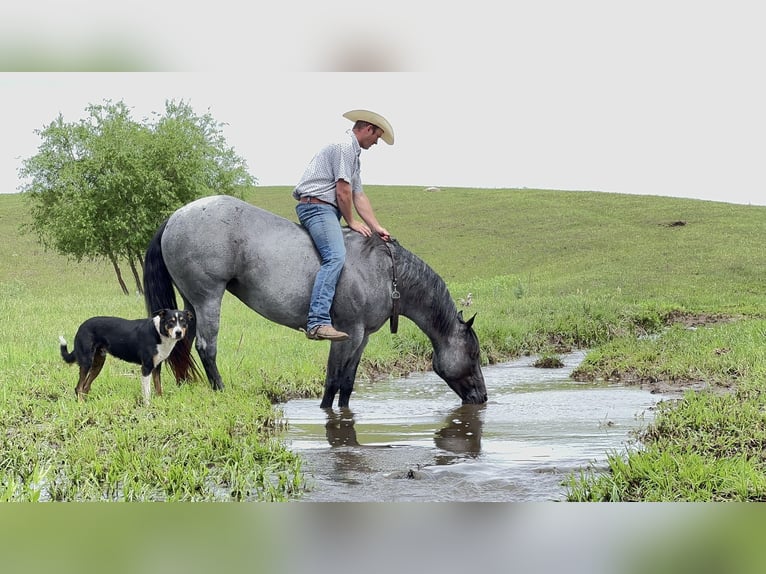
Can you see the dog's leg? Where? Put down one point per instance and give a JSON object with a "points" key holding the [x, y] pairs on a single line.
{"points": [[146, 388], [156, 379], [79, 390], [146, 380], [98, 363]]}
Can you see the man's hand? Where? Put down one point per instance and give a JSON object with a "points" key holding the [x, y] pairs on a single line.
{"points": [[383, 232], [360, 227]]}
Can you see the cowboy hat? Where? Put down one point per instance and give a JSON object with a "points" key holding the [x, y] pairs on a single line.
{"points": [[373, 118]]}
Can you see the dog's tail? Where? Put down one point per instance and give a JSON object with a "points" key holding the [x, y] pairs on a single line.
{"points": [[160, 294], [66, 355]]}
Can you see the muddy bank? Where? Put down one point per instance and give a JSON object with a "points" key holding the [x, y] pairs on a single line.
{"points": [[656, 383]]}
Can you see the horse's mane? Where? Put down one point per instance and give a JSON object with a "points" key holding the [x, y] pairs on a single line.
{"points": [[423, 283]]}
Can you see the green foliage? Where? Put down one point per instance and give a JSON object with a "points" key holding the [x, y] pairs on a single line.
{"points": [[99, 188]]}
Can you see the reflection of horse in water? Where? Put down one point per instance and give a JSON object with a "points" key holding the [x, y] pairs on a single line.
{"points": [[462, 432], [222, 243], [460, 435], [340, 428]]}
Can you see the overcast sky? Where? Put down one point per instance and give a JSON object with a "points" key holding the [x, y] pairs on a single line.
{"points": [[666, 101]]}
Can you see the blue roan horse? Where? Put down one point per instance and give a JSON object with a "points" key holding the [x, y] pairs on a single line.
{"points": [[222, 243]]}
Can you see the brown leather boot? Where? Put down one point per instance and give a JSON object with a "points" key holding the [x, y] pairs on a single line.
{"points": [[326, 333]]}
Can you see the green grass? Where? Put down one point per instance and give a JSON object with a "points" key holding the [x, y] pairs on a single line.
{"points": [[547, 270], [706, 448]]}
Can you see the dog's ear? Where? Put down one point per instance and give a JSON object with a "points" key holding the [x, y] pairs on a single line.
{"points": [[161, 313], [189, 314]]}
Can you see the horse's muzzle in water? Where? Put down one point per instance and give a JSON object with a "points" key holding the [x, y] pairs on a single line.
{"points": [[475, 398], [474, 392]]}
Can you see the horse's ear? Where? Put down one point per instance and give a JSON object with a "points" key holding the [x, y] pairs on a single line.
{"points": [[469, 322]]}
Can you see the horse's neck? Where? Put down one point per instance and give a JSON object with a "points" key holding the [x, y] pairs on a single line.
{"points": [[426, 300], [430, 327]]}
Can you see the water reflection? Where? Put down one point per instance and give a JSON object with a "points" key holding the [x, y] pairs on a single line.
{"points": [[349, 459], [339, 427], [461, 433]]}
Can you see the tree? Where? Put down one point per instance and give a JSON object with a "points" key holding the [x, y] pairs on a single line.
{"points": [[99, 188]]}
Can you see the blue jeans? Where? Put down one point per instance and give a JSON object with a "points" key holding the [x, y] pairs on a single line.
{"points": [[323, 224]]}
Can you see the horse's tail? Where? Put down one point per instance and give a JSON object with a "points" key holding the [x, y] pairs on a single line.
{"points": [[160, 294]]}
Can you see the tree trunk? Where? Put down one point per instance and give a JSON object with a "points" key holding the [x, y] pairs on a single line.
{"points": [[136, 277], [124, 287]]}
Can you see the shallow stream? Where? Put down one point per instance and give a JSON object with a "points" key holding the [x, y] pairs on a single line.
{"points": [[409, 439]]}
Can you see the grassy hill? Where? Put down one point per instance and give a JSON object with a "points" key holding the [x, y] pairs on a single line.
{"points": [[570, 241]]}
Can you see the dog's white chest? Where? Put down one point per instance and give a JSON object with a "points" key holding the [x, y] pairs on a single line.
{"points": [[164, 349], [165, 346]]}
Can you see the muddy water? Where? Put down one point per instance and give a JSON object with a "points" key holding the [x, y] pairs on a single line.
{"points": [[410, 440]]}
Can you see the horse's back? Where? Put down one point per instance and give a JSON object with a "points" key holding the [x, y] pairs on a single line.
{"points": [[215, 219]]}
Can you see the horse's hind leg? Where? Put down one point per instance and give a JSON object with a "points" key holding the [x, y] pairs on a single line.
{"points": [[208, 322], [341, 370]]}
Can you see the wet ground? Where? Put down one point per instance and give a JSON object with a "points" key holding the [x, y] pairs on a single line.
{"points": [[410, 439]]}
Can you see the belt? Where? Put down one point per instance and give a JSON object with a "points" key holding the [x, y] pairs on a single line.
{"points": [[308, 199]]}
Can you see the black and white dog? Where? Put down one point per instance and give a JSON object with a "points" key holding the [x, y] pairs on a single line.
{"points": [[146, 342]]}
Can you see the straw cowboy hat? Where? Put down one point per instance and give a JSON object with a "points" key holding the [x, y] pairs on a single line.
{"points": [[373, 118]]}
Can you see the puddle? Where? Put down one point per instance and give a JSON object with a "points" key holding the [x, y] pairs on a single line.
{"points": [[410, 439]]}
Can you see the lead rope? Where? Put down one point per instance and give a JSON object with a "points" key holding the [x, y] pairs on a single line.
{"points": [[395, 295]]}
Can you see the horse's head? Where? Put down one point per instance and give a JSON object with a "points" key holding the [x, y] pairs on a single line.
{"points": [[458, 363]]}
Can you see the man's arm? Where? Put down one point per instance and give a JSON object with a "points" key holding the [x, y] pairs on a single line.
{"points": [[346, 203], [365, 211]]}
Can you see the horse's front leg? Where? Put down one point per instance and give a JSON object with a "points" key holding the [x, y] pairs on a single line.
{"points": [[341, 370]]}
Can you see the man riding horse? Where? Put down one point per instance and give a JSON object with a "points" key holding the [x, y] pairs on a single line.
{"points": [[331, 187]]}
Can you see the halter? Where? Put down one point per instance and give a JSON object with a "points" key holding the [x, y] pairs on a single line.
{"points": [[395, 295]]}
